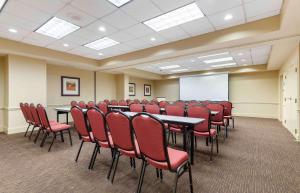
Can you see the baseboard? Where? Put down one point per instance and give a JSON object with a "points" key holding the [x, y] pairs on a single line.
{"points": [[255, 115], [14, 130]]}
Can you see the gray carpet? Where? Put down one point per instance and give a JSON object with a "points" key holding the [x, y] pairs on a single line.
{"points": [[259, 156]]}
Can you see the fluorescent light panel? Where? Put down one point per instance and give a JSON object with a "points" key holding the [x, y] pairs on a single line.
{"points": [[101, 43], [218, 60], [2, 3], [212, 55], [169, 67], [173, 18], [223, 65], [57, 28], [180, 70], [119, 3]]}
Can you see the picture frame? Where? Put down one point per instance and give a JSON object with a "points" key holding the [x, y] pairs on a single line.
{"points": [[70, 86], [131, 89], [147, 90]]}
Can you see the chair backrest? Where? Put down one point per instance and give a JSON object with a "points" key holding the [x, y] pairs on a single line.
{"points": [[122, 103], [163, 104], [175, 110], [145, 101], [205, 102], [153, 109], [43, 116], [216, 107], [80, 121], [120, 128], [154, 101], [114, 102], [35, 115], [193, 104], [24, 112], [91, 104], [82, 105], [106, 101], [180, 103], [128, 101], [151, 137], [200, 111], [227, 108], [136, 107], [98, 124], [103, 107], [28, 112], [74, 103], [136, 101]]}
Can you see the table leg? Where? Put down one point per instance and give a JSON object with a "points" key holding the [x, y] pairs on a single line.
{"points": [[57, 116], [192, 145], [67, 118]]}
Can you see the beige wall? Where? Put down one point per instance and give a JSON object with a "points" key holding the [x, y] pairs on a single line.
{"points": [[2, 94], [106, 86], [168, 88], [139, 85]]}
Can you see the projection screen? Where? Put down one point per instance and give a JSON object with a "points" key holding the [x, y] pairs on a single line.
{"points": [[204, 87]]}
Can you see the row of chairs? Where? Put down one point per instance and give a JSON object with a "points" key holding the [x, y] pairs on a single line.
{"points": [[140, 137], [36, 117]]}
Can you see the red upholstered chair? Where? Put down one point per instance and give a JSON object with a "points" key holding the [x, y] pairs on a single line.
{"points": [[103, 107], [101, 135], [136, 108], [154, 101], [74, 103], [180, 103], [113, 102], [163, 104], [106, 101], [82, 105], [51, 127], [203, 129], [145, 101], [151, 137], [152, 109], [205, 102], [122, 103], [26, 117], [81, 127], [175, 110], [128, 101], [124, 140], [228, 112], [36, 120], [136, 101], [218, 119], [91, 104]]}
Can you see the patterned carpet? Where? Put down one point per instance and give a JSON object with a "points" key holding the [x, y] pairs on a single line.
{"points": [[259, 156]]}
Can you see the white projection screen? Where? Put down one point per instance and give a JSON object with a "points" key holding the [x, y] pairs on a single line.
{"points": [[204, 87]]}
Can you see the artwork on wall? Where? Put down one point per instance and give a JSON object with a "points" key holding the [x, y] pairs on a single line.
{"points": [[147, 90], [70, 86], [131, 89]]}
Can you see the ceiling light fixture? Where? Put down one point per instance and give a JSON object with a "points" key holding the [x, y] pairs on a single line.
{"points": [[66, 45], [180, 70], [102, 29], [211, 55], [228, 17], [153, 39], [119, 3], [2, 4], [224, 65], [57, 28], [13, 30], [218, 60], [176, 17], [100, 54], [101, 43], [169, 67]]}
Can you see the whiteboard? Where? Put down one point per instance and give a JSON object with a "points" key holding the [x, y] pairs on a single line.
{"points": [[204, 87]]}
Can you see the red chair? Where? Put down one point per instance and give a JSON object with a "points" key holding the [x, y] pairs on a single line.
{"points": [[36, 120], [91, 104], [151, 138], [106, 101], [114, 102], [203, 129], [50, 127], [26, 117], [124, 141], [152, 109], [180, 103], [82, 105], [228, 112], [122, 103], [145, 101], [154, 101], [136, 108], [102, 137], [136, 101], [128, 101], [74, 103], [103, 107], [175, 110], [163, 104], [218, 119], [205, 102], [81, 127]]}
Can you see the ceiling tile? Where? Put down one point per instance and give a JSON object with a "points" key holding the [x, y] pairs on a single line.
{"points": [[75, 16], [80, 50], [121, 36], [96, 8], [173, 34], [82, 36], [94, 27], [169, 5], [9, 19], [154, 39], [220, 23], [59, 45], [264, 15], [259, 7], [138, 43], [48, 6], [119, 20], [4, 33], [38, 39], [260, 51], [210, 7], [198, 27], [139, 30]]}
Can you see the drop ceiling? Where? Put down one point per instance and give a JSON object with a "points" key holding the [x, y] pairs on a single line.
{"points": [[125, 24]]}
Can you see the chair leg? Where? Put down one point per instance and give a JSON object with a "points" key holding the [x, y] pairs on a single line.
{"points": [[62, 136], [175, 182], [71, 143], [116, 166], [211, 150], [44, 139], [54, 136], [79, 150], [161, 175], [91, 160], [141, 178], [206, 141], [27, 130], [37, 135], [190, 178], [133, 162], [175, 137], [232, 122], [226, 132], [217, 143], [31, 132], [195, 142], [95, 156], [157, 173], [112, 163]]}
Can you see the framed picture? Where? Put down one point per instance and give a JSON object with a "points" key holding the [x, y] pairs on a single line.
{"points": [[131, 89], [70, 86], [147, 90]]}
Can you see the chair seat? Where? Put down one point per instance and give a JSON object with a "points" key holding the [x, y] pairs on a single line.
{"points": [[132, 153], [177, 158], [221, 123], [88, 139], [59, 127], [213, 133], [105, 144], [53, 122]]}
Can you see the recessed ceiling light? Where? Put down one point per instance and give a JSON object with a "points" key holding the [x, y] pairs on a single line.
{"points": [[240, 54], [100, 54], [66, 45], [169, 67], [101, 43], [119, 3], [2, 3], [13, 30], [228, 17], [223, 65], [57, 28], [173, 18], [102, 28], [180, 70], [211, 55], [153, 39], [218, 60]]}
